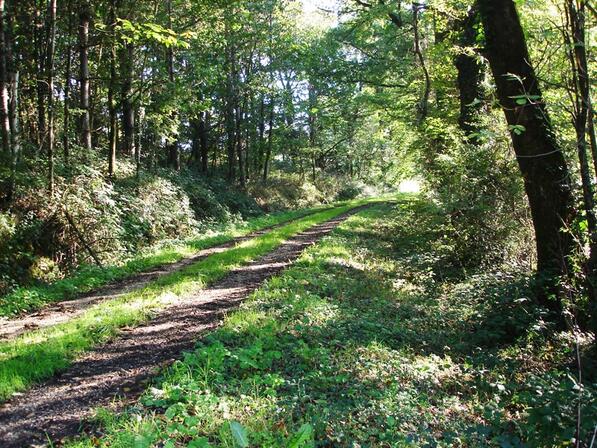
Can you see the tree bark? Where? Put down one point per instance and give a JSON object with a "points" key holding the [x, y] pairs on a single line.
{"points": [[128, 110], [41, 42], [67, 77], [13, 106], [112, 138], [138, 146], [583, 125], [51, 64], [200, 142], [258, 163], [540, 158], [470, 77], [240, 152], [592, 136], [231, 106], [204, 141], [270, 140], [85, 92], [172, 147], [423, 107], [581, 88], [4, 120], [230, 139]]}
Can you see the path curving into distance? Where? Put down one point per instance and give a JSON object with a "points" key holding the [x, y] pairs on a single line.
{"points": [[118, 369], [59, 312]]}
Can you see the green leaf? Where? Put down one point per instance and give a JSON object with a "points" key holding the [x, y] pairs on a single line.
{"points": [[473, 103], [202, 442], [303, 435], [239, 434], [517, 129], [171, 411]]}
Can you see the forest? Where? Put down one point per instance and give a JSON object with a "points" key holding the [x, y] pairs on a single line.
{"points": [[298, 223]]}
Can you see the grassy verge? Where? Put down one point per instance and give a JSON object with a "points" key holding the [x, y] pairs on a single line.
{"points": [[369, 340], [39, 354], [90, 277]]}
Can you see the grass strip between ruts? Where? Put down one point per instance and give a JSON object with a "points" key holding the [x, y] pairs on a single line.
{"points": [[88, 278], [40, 354]]}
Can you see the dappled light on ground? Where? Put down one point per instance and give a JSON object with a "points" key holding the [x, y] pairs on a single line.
{"points": [[372, 339]]}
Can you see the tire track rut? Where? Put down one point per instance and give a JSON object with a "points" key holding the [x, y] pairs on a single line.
{"points": [[60, 312], [119, 369]]}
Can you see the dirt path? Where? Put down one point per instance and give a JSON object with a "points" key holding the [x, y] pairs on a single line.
{"points": [[119, 368], [63, 311]]}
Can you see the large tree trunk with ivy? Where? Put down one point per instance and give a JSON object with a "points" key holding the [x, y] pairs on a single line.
{"points": [[542, 163], [575, 36]]}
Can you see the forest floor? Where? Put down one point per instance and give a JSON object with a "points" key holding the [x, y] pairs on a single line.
{"points": [[372, 338], [119, 366]]}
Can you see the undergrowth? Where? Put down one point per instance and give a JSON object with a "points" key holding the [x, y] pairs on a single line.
{"points": [[41, 353], [91, 219], [371, 339]]}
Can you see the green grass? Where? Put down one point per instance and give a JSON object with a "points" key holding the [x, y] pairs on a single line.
{"points": [[369, 340], [88, 278], [40, 354]]}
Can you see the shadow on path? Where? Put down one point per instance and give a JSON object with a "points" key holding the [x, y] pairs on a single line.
{"points": [[118, 368]]}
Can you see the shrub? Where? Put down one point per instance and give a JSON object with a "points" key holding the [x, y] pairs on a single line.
{"points": [[349, 191], [91, 218], [480, 191]]}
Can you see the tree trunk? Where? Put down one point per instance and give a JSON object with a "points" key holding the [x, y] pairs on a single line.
{"points": [[41, 43], [85, 92], [172, 148], [270, 141], [4, 120], [200, 142], [592, 136], [312, 115], [50, 59], [112, 138], [128, 111], [67, 76], [470, 77], [578, 60], [230, 139], [204, 141], [231, 103], [258, 164], [139, 146], [423, 107], [13, 106], [582, 118], [240, 147], [540, 158]]}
